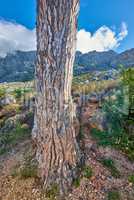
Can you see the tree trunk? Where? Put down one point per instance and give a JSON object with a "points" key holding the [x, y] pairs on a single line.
{"points": [[53, 132]]}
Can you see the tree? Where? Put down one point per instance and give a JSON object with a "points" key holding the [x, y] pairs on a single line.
{"points": [[57, 150]]}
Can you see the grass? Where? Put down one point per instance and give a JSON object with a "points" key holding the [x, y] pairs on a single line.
{"points": [[27, 170], [94, 86], [21, 131], [114, 195], [109, 163]]}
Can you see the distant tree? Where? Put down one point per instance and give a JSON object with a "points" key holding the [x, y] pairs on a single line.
{"points": [[53, 132]]}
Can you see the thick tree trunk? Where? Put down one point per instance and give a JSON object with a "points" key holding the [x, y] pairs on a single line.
{"points": [[54, 134]]}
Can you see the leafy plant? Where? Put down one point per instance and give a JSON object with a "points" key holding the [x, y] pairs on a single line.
{"points": [[87, 172], [131, 178], [18, 93]]}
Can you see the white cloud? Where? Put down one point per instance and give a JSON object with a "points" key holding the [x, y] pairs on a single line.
{"points": [[102, 40], [15, 37]]}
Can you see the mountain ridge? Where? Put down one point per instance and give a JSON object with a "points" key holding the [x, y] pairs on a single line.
{"points": [[19, 66]]}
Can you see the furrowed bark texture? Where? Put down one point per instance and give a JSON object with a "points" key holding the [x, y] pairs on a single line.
{"points": [[53, 132]]}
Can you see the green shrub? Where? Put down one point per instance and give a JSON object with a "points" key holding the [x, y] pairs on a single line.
{"points": [[114, 195]]}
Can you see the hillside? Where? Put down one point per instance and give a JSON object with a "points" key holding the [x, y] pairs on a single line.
{"points": [[20, 65]]}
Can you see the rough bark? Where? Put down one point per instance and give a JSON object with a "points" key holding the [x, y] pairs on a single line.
{"points": [[53, 132]]}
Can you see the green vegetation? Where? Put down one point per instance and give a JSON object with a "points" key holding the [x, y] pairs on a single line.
{"points": [[18, 93], [114, 195], [120, 141], [93, 86], [76, 182], [109, 163], [7, 140], [131, 178], [2, 92], [27, 170], [117, 133], [87, 172], [53, 192]]}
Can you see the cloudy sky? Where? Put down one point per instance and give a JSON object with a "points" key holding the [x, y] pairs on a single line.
{"points": [[103, 25]]}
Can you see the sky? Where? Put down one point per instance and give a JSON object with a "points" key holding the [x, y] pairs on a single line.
{"points": [[102, 25]]}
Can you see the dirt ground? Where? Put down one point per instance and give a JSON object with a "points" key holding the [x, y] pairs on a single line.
{"points": [[95, 188]]}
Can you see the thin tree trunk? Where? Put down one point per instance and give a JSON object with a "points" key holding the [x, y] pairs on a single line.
{"points": [[53, 132]]}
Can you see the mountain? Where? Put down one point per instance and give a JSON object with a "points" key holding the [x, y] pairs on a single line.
{"points": [[125, 59], [93, 61], [19, 66]]}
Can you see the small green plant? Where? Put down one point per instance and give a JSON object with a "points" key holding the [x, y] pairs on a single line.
{"points": [[10, 139], [3, 150], [28, 171], [131, 179], [81, 134], [2, 92], [76, 182], [53, 192], [114, 195], [15, 170], [87, 172], [18, 93], [21, 131], [109, 163]]}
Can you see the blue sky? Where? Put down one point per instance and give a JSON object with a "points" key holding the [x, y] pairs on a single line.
{"points": [[95, 16]]}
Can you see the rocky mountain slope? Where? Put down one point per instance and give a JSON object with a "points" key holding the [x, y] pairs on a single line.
{"points": [[20, 65]]}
